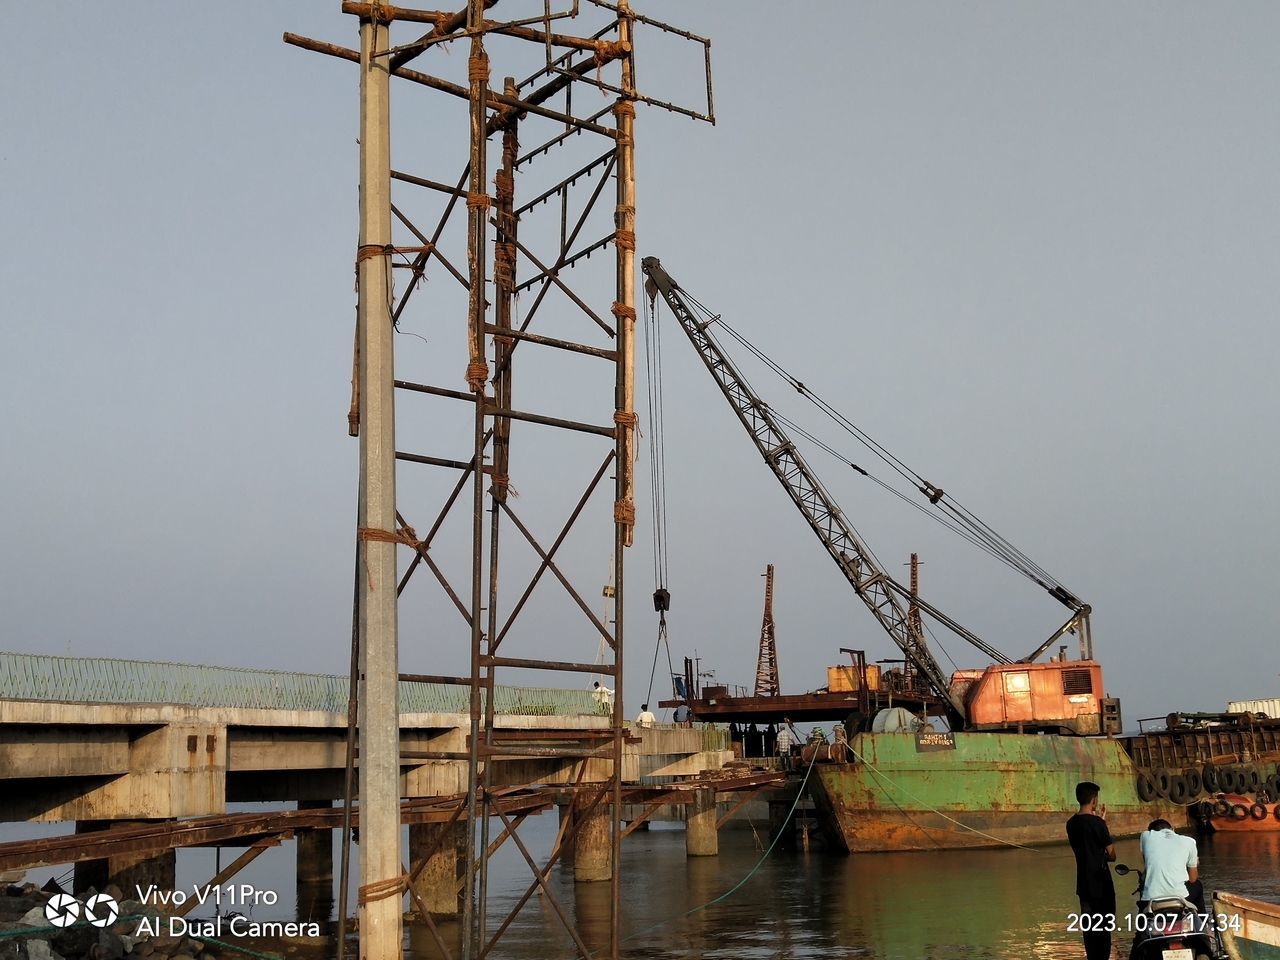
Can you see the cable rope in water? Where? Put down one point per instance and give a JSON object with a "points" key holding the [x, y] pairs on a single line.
{"points": [[750, 873], [897, 786]]}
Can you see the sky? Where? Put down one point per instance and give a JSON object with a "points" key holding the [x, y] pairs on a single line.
{"points": [[1031, 248]]}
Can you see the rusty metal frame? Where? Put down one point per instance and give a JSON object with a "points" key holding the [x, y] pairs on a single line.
{"points": [[496, 250]]}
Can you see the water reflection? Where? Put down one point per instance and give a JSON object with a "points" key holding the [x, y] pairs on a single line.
{"points": [[954, 905]]}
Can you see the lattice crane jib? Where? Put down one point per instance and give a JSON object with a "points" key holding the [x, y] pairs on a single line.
{"points": [[880, 594]]}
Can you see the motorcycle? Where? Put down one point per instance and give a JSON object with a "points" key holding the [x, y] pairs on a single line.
{"points": [[1171, 928]]}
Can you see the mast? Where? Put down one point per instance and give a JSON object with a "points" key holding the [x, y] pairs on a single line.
{"points": [[767, 684]]}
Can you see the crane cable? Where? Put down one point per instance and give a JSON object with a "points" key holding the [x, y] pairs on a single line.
{"points": [[658, 488], [953, 515]]}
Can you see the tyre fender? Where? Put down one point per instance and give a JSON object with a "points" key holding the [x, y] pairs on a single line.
{"points": [[1209, 777], [1146, 786]]}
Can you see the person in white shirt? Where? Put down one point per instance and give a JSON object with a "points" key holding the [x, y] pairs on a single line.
{"points": [[603, 697], [646, 719], [1172, 864], [784, 741]]}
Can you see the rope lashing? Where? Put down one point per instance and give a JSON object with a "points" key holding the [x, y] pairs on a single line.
{"points": [[624, 108], [504, 185], [623, 312], [478, 68], [368, 251], [406, 535], [381, 889], [625, 239], [378, 12], [627, 419], [477, 374], [478, 201], [504, 260], [624, 511]]}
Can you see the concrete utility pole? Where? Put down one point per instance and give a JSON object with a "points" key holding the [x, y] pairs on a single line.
{"points": [[380, 860]]}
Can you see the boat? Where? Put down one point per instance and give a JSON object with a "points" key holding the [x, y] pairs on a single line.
{"points": [[1022, 733], [930, 791], [1250, 928], [1237, 813]]}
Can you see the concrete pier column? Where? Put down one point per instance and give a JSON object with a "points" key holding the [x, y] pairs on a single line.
{"points": [[126, 871], [437, 884], [592, 849], [700, 837], [314, 853]]}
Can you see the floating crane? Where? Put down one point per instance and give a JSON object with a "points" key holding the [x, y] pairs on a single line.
{"points": [[981, 701]]}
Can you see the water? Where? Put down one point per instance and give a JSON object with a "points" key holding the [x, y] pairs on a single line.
{"points": [[919, 906], [993, 904]]}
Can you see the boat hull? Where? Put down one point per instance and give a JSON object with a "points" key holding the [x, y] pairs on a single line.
{"points": [[1256, 933], [1241, 818], [991, 790]]}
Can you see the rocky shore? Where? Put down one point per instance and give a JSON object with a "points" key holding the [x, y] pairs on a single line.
{"points": [[27, 933]]}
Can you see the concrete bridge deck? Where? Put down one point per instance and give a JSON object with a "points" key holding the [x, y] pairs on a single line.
{"points": [[150, 755], [117, 739]]}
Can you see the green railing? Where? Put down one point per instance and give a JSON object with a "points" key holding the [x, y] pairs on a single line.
{"points": [[25, 676]]}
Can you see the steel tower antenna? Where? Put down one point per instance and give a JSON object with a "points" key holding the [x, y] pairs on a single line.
{"points": [[767, 684]]}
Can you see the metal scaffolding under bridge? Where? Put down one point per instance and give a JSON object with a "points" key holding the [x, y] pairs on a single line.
{"points": [[446, 258]]}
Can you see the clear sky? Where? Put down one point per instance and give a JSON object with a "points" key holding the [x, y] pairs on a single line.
{"points": [[1032, 248]]}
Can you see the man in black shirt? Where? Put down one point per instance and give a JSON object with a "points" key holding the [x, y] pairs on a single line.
{"points": [[1091, 842]]}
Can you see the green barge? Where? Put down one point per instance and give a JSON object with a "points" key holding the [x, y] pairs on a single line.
{"points": [[898, 791]]}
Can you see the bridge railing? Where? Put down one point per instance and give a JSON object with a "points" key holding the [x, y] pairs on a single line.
{"points": [[26, 676]]}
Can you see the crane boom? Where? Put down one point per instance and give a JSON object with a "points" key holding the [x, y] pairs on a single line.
{"points": [[880, 593]]}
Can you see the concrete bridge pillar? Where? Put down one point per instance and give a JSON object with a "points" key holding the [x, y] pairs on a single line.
{"points": [[314, 852], [437, 884], [126, 871], [700, 838], [592, 850]]}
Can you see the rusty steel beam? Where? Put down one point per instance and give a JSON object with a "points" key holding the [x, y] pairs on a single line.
{"points": [[499, 413], [493, 101], [564, 532], [564, 581], [569, 345], [231, 869], [225, 829], [738, 805], [601, 668]]}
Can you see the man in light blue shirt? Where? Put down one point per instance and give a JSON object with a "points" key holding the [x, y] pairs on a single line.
{"points": [[1172, 865]]}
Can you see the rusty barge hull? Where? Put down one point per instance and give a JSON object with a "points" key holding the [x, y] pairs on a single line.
{"points": [[992, 790]]}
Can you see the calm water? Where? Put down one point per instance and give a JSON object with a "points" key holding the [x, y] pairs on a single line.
{"points": [[929, 906]]}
